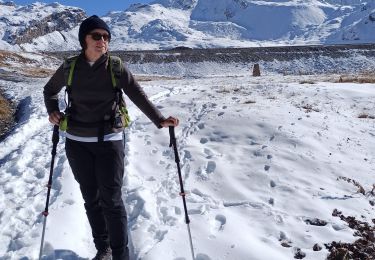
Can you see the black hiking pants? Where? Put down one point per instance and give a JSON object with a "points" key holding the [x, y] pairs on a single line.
{"points": [[99, 169]]}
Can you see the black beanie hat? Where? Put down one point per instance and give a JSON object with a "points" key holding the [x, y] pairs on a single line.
{"points": [[89, 24]]}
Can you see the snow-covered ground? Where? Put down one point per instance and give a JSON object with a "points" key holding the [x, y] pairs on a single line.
{"points": [[260, 158]]}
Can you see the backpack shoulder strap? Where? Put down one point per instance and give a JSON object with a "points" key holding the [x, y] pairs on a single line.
{"points": [[115, 64], [69, 65]]}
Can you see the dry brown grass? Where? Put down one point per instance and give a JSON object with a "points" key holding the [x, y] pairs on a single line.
{"points": [[6, 115], [368, 77], [5, 108], [7, 57], [23, 65], [153, 77], [37, 72]]}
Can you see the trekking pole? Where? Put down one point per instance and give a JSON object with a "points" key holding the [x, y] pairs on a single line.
{"points": [[55, 140], [182, 193]]}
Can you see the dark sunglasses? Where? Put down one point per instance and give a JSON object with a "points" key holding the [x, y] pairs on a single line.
{"points": [[98, 36]]}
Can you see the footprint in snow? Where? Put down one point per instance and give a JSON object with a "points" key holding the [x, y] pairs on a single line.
{"points": [[161, 162], [177, 211], [283, 236], [220, 221], [267, 167], [201, 126], [167, 153], [203, 140], [40, 174], [272, 184], [220, 114], [197, 257], [211, 166], [166, 217], [69, 202], [187, 155], [209, 153], [158, 234], [202, 257]]}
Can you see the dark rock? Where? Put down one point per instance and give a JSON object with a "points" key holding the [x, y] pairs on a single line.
{"points": [[9, 3], [256, 70], [59, 21], [316, 222], [285, 244], [299, 254], [317, 247]]}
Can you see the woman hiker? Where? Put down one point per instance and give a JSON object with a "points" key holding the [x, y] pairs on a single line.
{"points": [[94, 145]]}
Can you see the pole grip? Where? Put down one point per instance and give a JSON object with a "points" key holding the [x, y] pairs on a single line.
{"points": [[172, 136], [55, 135], [173, 142]]}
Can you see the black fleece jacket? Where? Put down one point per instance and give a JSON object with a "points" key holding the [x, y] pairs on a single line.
{"points": [[93, 95]]}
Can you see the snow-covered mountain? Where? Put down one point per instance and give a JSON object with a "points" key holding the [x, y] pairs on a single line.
{"points": [[195, 23], [38, 24]]}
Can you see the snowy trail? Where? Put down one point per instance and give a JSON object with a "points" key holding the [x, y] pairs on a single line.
{"points": [[24, 167], [248, 148]]}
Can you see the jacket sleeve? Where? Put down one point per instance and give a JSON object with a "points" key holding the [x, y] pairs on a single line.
{"points": [[52, 89], [137, 95]]}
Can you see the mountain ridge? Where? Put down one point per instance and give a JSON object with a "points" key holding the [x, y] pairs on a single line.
{"points": [[165, 24]]}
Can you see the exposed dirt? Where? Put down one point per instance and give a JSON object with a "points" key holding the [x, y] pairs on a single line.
{"points": [[7, 112]]}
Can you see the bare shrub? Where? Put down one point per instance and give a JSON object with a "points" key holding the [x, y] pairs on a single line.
{"points": [[223, 90], [306, 82], [364, 115], [355, 183], [145, 78], [309, 108], [363, 248]]}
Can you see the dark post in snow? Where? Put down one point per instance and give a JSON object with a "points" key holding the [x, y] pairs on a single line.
{"points": [[256, 70]]}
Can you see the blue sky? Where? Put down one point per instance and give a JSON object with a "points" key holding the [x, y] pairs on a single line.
{"points": [[91, 6]]}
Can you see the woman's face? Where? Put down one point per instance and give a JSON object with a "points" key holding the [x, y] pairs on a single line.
{"points": [[97, 42]]}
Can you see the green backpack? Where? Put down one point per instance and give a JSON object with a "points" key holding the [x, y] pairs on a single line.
{"points": [[121, 115]]}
